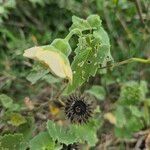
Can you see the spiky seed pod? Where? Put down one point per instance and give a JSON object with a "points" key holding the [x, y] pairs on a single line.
{"points": [[78, 109], [74, 146]]}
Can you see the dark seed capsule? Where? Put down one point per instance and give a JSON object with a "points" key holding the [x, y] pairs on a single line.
{"points": [[77, 109]]}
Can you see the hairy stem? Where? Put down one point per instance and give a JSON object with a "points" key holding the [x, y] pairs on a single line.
{"points": [[72, 32], [130, 60], [59, 94]]}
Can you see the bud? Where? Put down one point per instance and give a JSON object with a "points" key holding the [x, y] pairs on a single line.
{"points": [[62, 45]]}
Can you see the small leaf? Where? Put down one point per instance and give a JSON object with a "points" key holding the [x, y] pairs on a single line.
{"points": [[80, 24], [27, 128], [37, 74], [94, 21], [127, 122], [60, 134], [15, 107], [120, 117], [132, 93], [74, 133], [122, 133], [16, 119], [42, 141], [133, 125], [97, 91], [12, 142], [86, 132], [51, 79], [135, 111], [6, 101]]}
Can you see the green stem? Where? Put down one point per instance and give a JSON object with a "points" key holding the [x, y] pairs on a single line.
{"points": [[146, 113], [57, 96], [71, 33], [141, 60]]}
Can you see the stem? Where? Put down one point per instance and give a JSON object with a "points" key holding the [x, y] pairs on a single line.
{"points": [[71, 33], [139, 9], [146, 61], [125, 27], [58, 95], [146, 113]]}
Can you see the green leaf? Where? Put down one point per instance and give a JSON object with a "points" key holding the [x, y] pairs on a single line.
{"points": [[97, 91], [133, 125], [12, 142], [15, 107], [16, 119], [74, 133], [86, 62], [87, 132], [42, 141], [80, 24], [37, 73], [122, 133], [120, 117], [135, 111], [93, 50], [102, 36], [133, 93], [27, 128], [94, 21], [60, 134], [51, 79], [129, 121], [6, 101]]}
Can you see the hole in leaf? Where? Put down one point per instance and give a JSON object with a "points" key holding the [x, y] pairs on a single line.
{"points": [[89, 61]]}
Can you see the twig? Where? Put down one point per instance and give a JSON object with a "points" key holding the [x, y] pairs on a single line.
{"points": [[58, 95], [130, 60], [16, 24], [139, 142], [124, 25], [139, 9], [111, 27]]}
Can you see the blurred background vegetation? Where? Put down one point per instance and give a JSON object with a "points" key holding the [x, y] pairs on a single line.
{"points": [[26, 23]]}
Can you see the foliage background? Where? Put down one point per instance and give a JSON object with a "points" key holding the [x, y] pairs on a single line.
{"points": [[24, 24], [37, 22]]}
